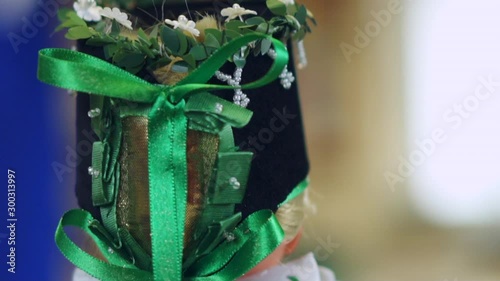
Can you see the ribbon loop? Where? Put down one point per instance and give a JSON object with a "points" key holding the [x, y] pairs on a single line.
{"points": [[84, 73]]}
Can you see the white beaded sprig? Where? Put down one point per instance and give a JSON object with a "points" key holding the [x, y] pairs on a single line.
{"points": [[93, 172], [94, 113], [239, 97], [286, 76]]}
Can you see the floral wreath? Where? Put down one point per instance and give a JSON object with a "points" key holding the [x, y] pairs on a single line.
{"points": [[181, 45]]}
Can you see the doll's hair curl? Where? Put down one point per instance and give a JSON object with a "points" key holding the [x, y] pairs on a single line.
{"points": [[292, 214]]}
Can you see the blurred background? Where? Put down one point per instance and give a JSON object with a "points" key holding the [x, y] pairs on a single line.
{"points": [[401, 105], [401, 109]]}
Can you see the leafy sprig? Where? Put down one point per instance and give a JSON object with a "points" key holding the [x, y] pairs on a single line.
{"points": [[160, 45]]}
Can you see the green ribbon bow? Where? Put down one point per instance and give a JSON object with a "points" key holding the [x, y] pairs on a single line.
{"points": [[255, 238]]}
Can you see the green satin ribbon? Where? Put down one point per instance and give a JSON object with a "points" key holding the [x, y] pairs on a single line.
{"points": [[259, 235], [251, 243], [254, 239], [84, 73], [118, 267], [168, 187]]}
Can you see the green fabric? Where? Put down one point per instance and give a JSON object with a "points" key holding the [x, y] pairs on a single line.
{"points": [[208, 113], [230, 165], [256, 237], [99, 195]]}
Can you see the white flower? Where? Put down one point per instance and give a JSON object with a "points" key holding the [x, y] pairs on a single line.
{"points": [[183, 23], [287, 2], [236, 11], [87, 10], [117, 15]]}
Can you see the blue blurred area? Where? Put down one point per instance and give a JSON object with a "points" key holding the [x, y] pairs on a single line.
{"points": [[32, 140]]}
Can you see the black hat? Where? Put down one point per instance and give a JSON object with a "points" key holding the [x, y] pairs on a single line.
{"points": [[240, 156]]}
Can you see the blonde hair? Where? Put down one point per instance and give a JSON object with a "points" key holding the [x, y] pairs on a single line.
{"points": [[291, 215]]}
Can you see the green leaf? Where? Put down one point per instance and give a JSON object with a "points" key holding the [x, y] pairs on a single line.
{"points": [[278, 21], [255, 20], [265, 46], [100, 41], [301, 14], [189, 59], [143, 37], [293, 278], [115, 28], [263, 28], [183, 43], [145, 50], [154, 32], [235, 26], [210, 50], [231, 34], [128, 59], [169, 38], [154, 43], [71, 20], [79, 32], [191, 42], [198, 52], [75, 19], [256, 50], [291, 9], [211, 41], [62, 14], [109, 50], [276, 7], [292, 21], [160, 63], [135, 69], [100, 27], [217, 34]]}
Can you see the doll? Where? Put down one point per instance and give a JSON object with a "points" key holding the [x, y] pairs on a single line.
{"points": [[199, 168]]}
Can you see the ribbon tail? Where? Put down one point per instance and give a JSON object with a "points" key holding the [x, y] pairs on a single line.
{"points": [[84, 73], [168, 187], [119, 270]]}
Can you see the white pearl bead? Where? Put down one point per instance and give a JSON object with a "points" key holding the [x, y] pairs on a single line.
{"points": [[219, 107]]}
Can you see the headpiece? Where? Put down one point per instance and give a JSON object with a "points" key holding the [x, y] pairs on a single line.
{"points": [[197, 133]]}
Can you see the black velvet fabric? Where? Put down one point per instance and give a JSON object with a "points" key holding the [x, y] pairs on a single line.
{"points": [[276, 137], [275, 134]]}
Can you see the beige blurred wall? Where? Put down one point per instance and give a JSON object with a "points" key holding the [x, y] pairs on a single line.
{"points": [[355, 124]]}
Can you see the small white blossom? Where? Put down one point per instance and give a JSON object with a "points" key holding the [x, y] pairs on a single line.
{"points": [[116, 14], [236, 11], [87, 10], [183, 23], [287, 2]]}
